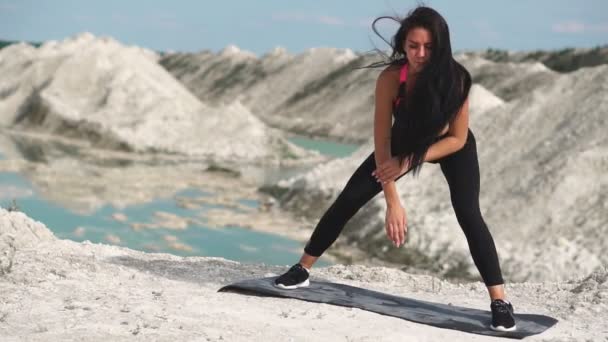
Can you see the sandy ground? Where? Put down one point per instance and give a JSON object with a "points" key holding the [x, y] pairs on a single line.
{"points": [[63, 290]]}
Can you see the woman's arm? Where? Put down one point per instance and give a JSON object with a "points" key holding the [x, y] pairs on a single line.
{"points": [[386, 90], [456, 138], [396, 221]]}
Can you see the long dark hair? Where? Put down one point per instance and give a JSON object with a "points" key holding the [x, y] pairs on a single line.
{"points": [[441, 86]]}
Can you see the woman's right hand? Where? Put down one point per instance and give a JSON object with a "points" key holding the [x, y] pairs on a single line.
{"points": [[396, 224]]}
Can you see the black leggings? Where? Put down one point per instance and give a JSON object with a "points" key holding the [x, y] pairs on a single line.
{"points": [[461, 170]]}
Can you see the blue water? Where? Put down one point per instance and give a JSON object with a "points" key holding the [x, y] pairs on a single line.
{"points": [[235, 243], [329, 148]]}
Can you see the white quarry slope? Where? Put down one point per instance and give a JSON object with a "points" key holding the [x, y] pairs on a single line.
{"points": [[119, 97], [562, 60], [269, 80], [59, 289], [482, 100], [320, 92], [544, 162], [508, 80], [315, 92]]}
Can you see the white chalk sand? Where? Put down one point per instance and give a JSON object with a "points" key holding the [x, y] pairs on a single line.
{"points": [[52, 290]]}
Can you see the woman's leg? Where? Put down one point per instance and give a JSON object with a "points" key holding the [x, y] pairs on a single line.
{"points": [[461, 170], [360, 188]]}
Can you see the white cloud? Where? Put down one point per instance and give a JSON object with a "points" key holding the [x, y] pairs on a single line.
{"points": [[574, 26], [324, 19], [310, 18], [380, 24]]}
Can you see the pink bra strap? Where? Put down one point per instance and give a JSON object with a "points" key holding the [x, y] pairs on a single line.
{"points": [[403, 74], [402, 79]]}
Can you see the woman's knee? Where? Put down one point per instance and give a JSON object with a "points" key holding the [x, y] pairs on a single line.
{"points": [[357, 195], [362, 186]]}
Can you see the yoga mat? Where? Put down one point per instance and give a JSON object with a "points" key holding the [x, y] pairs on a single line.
{"points": [[435, 314]]}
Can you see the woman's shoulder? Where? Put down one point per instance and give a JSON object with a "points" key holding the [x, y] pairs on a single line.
{"points": [[387, 84], [390, 75], [392, 70]]}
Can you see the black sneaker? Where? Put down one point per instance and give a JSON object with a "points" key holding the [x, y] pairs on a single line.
{"points": [[297, 276], [502, 316]]}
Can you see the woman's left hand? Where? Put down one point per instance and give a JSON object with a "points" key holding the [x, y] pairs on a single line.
{"points": [[391, 169]]}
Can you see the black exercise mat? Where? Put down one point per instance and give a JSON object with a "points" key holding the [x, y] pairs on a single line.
{"points": [[436, 314]]}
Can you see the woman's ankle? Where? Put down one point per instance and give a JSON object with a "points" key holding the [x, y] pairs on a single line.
{"points": [[307, 261], [496, 292], [306, 268]]}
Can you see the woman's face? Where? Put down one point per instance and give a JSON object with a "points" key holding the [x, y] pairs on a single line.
{"points": [[418, 47]]}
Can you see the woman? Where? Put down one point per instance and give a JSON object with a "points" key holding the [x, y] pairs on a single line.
{"points": [[426, 90]]}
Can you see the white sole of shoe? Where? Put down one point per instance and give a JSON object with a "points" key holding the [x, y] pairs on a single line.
{"points": [[292, 287], [501, 328]]}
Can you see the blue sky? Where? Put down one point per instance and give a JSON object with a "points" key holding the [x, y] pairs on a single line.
{"points": [[260, 25]]}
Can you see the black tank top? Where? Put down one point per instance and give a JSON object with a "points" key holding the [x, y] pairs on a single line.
{"points": [[395, 150]]}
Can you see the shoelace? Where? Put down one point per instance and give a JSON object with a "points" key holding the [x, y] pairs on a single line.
{"points": [[502, 307]]}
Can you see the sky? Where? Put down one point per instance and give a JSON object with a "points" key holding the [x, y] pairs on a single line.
{"points": [[261, 25]]}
